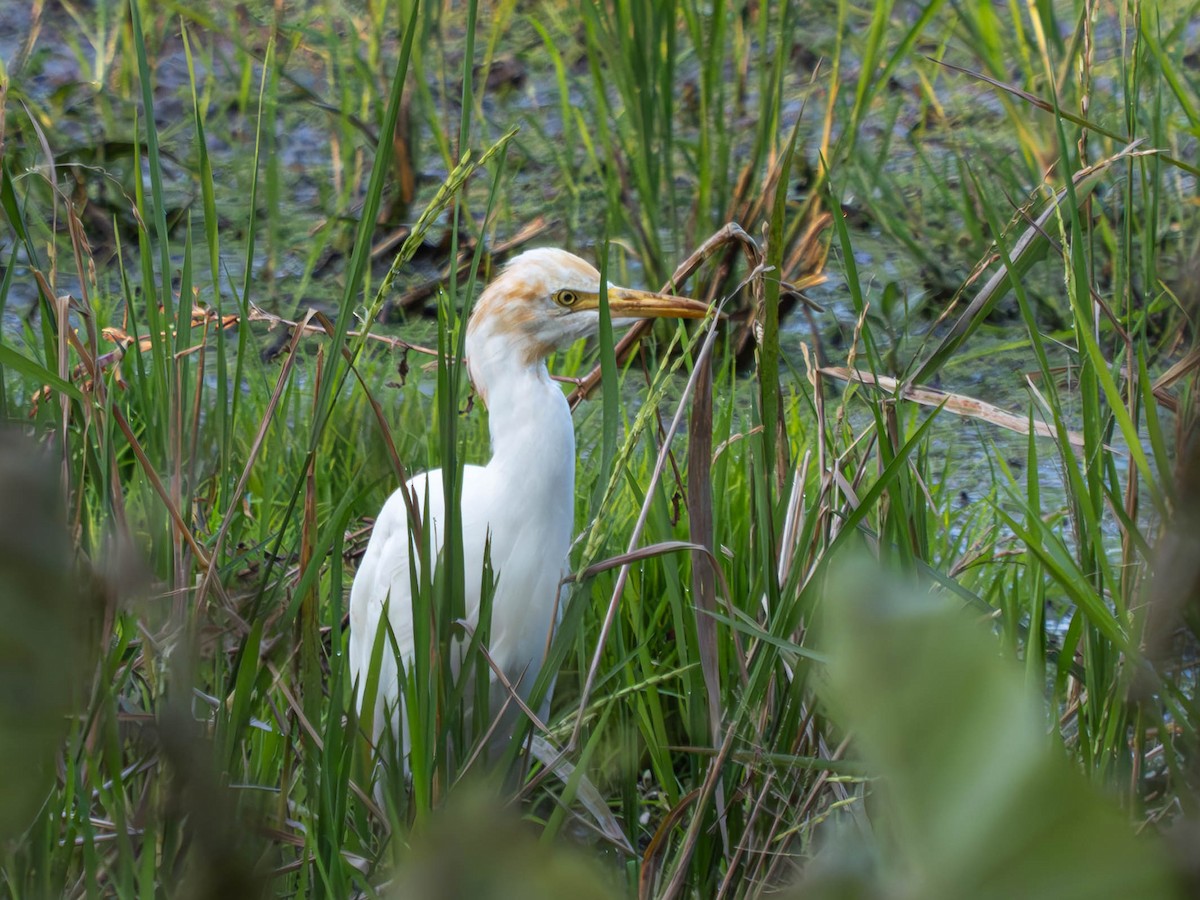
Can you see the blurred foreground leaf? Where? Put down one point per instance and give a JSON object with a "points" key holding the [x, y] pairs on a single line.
{"points": [[42, 649], [475, 850], [974, 798]]}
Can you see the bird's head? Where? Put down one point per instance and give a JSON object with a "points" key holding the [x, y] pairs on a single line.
{"points": [[546, 299]]}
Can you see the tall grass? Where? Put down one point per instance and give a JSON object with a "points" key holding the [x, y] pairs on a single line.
{"points": [[973, 187]]}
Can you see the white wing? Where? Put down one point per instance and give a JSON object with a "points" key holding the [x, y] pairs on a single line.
{"points": [[385, 572]]}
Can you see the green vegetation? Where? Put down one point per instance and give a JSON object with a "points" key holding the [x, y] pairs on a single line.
{"points": [[996, 207]]}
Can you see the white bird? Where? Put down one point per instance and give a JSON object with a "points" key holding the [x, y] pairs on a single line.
{"points": [[523, 500]]}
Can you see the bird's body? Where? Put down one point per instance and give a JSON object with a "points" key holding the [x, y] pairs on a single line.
{"points": [[522, 501]]}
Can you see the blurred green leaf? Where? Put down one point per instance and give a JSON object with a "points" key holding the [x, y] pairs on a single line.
{"points": [[42, 650], [476, 850], [976, 801]]}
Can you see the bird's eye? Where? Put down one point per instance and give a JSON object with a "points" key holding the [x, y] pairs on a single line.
{"points": [[566, 298]]}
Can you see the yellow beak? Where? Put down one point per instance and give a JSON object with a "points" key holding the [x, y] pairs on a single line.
{"points": [[627, 303]]}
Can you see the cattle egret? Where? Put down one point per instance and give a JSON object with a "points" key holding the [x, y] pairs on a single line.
{"points": [[523, 500]]}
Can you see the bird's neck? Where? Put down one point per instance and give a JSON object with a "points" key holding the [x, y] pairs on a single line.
{"points": [[528, 417], [530, 422]]}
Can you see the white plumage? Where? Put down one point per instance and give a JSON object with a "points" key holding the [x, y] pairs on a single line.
{"points": [[523, 498]]}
